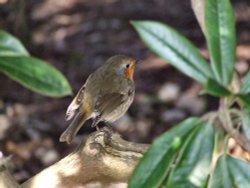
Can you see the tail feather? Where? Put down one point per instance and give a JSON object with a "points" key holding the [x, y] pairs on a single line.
{"points": [[73, 128]]}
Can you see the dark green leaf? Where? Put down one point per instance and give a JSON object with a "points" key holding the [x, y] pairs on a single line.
{"points": [[152, 169], [194, 160], [245, 84], [245, 99], [221, 177], [35, 75], [221, 38], [240, 171], [173, 47], [245, 116], [215, 89], [230, 172], [9, 45]]}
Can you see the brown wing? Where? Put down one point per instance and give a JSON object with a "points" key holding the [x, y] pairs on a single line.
{"points": [[75, 104], [107, 103]]}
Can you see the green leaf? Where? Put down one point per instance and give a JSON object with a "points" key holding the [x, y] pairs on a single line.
{"points": [[221, 176], [175, 48], [221, 38], [193, 165], [214, 88], [240, 171], [10, 45], [36, 75], [230, 172], [245, 116], [245, 99], [245, 84], [156, 162]]}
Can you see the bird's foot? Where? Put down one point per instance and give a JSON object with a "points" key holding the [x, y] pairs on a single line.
{"points": [[97, 128], [66, 136]]}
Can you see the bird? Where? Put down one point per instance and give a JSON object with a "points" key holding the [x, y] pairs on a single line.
{"points": [[106, 96]]}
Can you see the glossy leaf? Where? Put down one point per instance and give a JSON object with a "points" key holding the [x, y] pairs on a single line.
{"points": [[245, 84], [221, 38], [35, 75], [9, 45], [173, 47], [240, 171], [245, 116], [156, 162], [215, 89], [221, 177], [230, 172], [193, 165], [245, 99]]}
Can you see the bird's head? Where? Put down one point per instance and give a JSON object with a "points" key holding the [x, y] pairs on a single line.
{"points": [[123, 65]]}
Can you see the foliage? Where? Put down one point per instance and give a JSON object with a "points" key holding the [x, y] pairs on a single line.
{"points": [[31, 72], [182, 157]]}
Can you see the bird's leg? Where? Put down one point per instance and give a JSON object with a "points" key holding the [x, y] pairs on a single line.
{"points": [[95, 122], [97, 127], [108, 124]]}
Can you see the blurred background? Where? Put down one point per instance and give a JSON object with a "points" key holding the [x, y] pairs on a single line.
{"points": [[77, 36]]}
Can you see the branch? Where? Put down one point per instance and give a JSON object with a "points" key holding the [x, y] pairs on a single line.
{"points": [[230, 127], [6, 180], [104, 158]]}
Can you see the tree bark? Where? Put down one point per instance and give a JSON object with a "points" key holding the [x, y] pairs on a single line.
{"points": [[103, 159], [6, 180]]}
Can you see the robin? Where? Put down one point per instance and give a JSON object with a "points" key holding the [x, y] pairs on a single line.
{"points": [[105, 96]]}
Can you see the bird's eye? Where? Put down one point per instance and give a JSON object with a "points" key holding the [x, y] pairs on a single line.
{"points": [[127, 66]]}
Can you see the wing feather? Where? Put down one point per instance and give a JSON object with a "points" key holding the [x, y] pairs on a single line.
{"points": [[106, 104], [75, 104]]}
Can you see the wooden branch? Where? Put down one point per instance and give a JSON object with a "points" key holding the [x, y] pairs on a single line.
{"points": [[237, 136], [104, 158], [229, 126], [6, 180]]}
